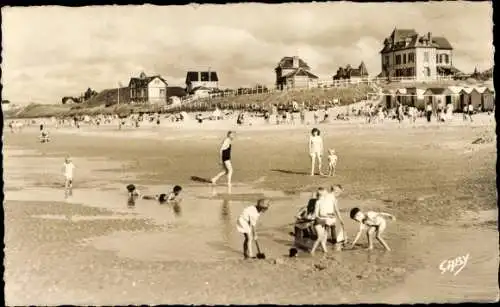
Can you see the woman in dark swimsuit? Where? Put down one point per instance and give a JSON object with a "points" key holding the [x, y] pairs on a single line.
{"points": [[225, 152]]}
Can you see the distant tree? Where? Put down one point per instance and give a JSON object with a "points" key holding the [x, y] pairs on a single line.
{"points": [[89, 93]]}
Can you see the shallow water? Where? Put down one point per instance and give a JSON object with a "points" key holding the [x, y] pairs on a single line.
{"points": [[201, 228]]}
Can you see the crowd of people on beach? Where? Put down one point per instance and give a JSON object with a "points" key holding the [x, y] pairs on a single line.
{"points": [[291, 113]]}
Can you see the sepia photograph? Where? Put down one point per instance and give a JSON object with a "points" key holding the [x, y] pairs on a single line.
{"points": [[249, 153]]}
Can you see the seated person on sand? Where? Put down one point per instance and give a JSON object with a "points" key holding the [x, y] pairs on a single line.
{"points": [[199, 118], [44, 136], [241, 119], [304, 222], [373, 223]]}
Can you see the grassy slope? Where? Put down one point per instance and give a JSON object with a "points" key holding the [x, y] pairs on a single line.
{"points": [[97, 104]]}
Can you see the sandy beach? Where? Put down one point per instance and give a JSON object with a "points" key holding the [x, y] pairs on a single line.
{"points": [[94, 249]]}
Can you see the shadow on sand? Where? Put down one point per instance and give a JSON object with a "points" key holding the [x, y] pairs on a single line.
{"points": [[289, 172], [199, 179]]}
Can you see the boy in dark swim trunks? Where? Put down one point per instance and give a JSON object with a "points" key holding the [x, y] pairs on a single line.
{"points": [[225, 152], [172, 197]]}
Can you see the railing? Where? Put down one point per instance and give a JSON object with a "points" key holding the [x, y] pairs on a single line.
{"points": [[413, 79], [320, 84]]}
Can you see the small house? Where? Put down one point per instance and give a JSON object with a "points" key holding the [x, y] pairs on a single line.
{"points": [[390, 98], [197, 79], [417, 97], [402, 96], [438, 97], [201, 92], [151, 89], [354, 75], [293, 72], [455, 97], [487, 100], [468, 96]]}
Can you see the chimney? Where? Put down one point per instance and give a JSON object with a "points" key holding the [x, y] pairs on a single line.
{"points": [[295, 62], [429, 37]]}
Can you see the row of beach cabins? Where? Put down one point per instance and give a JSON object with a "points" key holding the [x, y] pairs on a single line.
{"points": [[481, 97]]}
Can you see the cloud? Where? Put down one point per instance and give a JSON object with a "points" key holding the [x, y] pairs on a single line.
{"points": [[50, 52]]}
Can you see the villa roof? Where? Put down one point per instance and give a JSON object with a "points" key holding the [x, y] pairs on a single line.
{"points": [[467, 90], [203, 76], [143, 82], [301, 72], [442, 43], [287, 63], [455, 89], [409, 38]]}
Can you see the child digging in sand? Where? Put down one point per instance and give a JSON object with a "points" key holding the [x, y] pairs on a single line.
{"points": [[247, 222], [372, 222]]}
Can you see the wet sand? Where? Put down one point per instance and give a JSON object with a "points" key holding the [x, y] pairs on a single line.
{"points": [[94, 249]]}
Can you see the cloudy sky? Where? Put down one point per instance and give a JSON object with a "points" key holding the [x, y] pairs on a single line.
{"points": [[50, 52]]}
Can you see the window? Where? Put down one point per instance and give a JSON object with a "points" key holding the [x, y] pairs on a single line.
{"points": [[404, 58], [411, 57], [162, 92], [446, 58], [398, 59], [427, 71], [426, 57], [386, 59], [204, 76]]}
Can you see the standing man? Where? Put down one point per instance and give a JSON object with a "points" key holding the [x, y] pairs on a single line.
{"points": [[225, 152], [470, 110], [428, 111]]}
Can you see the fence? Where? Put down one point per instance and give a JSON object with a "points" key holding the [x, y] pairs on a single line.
{"points": [[324, 84], [194, 102]]}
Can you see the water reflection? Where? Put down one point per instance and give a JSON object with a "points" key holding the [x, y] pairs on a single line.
{"points": [[226, 221], [177, 209], [225, 210], [131, 201]]}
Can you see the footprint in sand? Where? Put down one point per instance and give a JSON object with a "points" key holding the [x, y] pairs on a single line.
{"points": [[260, 180]]}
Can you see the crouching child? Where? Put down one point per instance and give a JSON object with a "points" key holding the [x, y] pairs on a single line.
{"points": [[374, 223]]}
